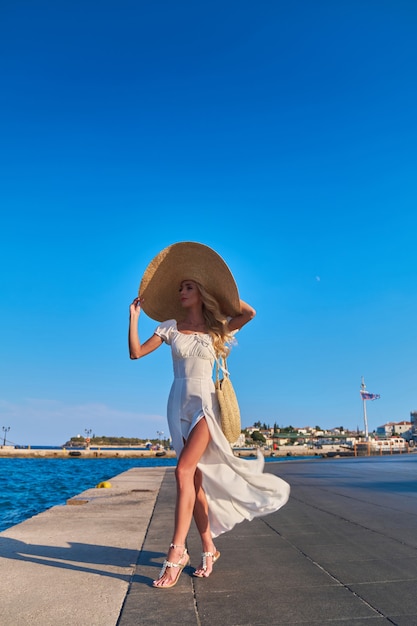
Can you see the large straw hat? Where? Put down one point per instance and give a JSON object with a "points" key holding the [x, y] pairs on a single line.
{"points": [[160, 284]]}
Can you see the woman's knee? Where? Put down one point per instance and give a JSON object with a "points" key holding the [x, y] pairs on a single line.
{"points": [[184, 472]]}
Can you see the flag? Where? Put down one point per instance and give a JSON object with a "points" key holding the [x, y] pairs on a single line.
{"points": [[365, 395]]}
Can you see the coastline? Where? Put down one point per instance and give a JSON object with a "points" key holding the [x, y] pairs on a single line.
{"points": [[86, 453], [91, 453]]}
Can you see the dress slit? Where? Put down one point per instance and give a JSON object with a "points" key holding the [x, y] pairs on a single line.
{"points": [[236, 488]]}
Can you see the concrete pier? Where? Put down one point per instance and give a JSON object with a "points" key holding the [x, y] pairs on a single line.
{"points": [[342, 551]]}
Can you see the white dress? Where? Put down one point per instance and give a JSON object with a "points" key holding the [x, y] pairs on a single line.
{"points": [[236, 489]]}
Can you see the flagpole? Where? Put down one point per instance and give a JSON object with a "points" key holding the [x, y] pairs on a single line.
{"points": [[365, 418]]}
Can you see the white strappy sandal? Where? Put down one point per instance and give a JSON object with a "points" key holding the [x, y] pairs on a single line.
{"points": [[214, 555], [180, 565]]}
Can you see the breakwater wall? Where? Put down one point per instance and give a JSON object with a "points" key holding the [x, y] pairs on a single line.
{"points": [[87, 453], [126, 453]]}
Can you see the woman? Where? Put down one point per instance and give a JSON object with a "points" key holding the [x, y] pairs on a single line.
{"points": [[213, 485]]}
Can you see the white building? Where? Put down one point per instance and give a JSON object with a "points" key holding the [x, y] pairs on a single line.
{"points": [[388, 429]]}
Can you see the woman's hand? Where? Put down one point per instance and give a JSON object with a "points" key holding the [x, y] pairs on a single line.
{"points": [[135, 307]]}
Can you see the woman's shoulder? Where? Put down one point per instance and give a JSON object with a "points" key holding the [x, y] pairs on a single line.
{"points": [[165, 328]]}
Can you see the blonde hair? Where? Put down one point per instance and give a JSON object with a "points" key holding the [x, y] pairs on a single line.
{"points": [[216, 322]]}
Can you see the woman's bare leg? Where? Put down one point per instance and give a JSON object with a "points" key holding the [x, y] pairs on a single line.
{"points": [[186, 496], [203, 525]]}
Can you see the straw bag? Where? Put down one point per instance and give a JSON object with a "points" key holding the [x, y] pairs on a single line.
{"points": [[229, 407]]}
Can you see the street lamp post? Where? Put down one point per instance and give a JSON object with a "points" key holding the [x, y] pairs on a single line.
{"points": [[88, 432], [5, 430], [159, 433]]}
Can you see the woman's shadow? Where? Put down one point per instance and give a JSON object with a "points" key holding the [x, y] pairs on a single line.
{"points": [[81, 557]]}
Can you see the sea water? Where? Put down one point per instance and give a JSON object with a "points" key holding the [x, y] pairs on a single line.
{"points": [[30, 486]]}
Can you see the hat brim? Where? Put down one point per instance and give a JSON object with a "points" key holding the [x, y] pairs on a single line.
{"points": [[159, 287]]}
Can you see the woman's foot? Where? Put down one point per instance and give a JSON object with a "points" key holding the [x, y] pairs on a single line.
{"points": [[177, 559], [208, 560]]}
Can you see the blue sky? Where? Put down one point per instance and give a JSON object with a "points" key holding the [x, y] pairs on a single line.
{"points": [[281, 134]]}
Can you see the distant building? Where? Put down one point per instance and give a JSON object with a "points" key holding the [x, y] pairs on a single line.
{"points": [[388, 429], [402, 427], [413, 416], [240, 441], [251, 429]]}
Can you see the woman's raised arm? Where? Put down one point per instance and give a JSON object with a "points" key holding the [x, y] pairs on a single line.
{"points": [[136, 348], [247, 313]]}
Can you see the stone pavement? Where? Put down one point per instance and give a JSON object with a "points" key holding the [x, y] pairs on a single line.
{"points": [[342, 551]]}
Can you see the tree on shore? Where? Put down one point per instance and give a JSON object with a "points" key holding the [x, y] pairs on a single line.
{"points": [[108, 441], [258, 437]]}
